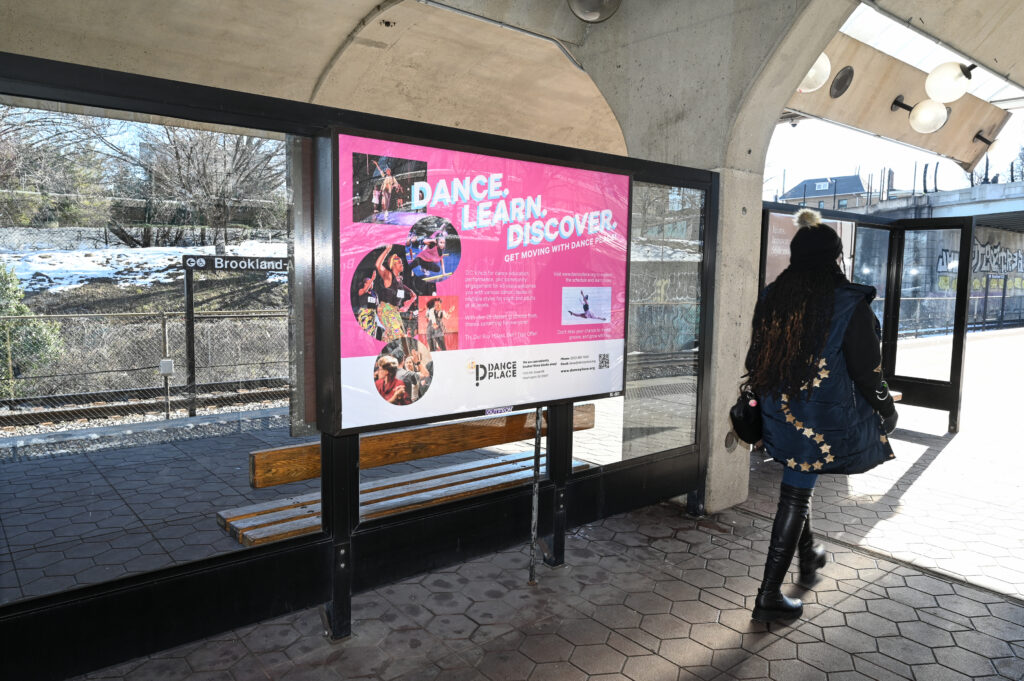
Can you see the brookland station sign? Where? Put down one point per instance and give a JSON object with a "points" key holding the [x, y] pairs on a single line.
{"points": [[234, 263]]}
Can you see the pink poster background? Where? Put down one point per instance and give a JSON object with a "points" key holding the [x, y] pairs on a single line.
{"points": [[504, 297]]}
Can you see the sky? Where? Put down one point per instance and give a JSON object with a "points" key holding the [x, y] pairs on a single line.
{"points": [[816, 149]]}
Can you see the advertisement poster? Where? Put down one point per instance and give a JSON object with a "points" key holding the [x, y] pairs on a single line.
{"points": [[473, 282]]}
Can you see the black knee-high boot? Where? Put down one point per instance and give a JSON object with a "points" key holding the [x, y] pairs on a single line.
{"points": [[770, 605], [812, 556]]}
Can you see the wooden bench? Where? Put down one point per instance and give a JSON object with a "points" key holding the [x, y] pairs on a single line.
{"points": [[297, 515]]}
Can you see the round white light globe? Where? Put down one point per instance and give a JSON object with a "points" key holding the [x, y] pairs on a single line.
{"points": [[946, 82], [594, 11], [928, 116], [817, 76], [995, 147]]}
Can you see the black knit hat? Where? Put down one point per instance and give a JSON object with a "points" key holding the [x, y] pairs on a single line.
{"points": [[815, 245]]}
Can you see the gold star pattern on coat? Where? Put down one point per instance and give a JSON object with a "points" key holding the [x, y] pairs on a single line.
{"points": [[806, 430], [883, 439], [821, 363]]}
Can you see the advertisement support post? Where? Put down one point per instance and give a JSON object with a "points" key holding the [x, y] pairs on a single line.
{"points": [[535, 508]]}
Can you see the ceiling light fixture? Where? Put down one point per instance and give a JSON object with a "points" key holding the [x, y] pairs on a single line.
{"points": [[594, 11], [817, 76], [992, 144], [926, 116], [948, 82]]}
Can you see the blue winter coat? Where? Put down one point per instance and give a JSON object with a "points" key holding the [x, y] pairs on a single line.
{"points": [[834, 429]]}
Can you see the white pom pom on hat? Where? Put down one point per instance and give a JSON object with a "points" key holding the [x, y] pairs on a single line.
{"points": [[807, 217], [814, 245]]}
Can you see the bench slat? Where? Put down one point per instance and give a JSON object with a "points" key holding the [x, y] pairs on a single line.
{"points": [[440, 482], [268, 467], [271, 533], [231, 514], [470, 488], [240, 526], [371, 486]]}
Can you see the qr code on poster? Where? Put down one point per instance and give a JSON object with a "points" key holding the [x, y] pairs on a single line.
{"points": [[602, 361]]}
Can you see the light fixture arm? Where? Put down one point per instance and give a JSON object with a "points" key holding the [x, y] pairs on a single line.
{"points": [[898, 104]]}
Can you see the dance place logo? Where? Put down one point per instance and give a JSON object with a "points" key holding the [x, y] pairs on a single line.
{"points": [[491, 371]]}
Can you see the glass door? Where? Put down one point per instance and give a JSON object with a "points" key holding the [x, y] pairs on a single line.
{"points": [[923, 302]]}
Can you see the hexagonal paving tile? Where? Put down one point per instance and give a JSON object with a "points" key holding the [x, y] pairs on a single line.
{"points": [[598, 659]]}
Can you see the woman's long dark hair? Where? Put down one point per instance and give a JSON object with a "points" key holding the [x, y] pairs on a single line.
{"points": [[791, 324]]}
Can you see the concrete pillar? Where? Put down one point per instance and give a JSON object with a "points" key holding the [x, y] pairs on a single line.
{"points": [[703, 84]]}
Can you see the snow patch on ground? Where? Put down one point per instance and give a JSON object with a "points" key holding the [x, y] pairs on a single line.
{"points": [[58, 270]]}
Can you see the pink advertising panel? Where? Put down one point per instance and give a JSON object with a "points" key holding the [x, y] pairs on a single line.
{"points": [[473, 282]]}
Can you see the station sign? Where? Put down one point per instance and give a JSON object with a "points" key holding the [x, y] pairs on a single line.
{"points": [[234, 263]]}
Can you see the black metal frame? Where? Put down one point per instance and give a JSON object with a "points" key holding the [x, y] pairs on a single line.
{"points": [[333, 425], [923, 392], [117, 620]]}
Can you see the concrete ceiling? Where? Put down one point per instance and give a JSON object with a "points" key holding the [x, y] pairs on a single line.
{"points": [[400, 58], [988, 32]]}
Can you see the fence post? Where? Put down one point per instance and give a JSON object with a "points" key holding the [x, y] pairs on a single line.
{"points": [[190, 341], [10, 361], [167, 379]]}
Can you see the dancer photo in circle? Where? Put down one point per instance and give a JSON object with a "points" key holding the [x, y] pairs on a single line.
{"points": [[382, 302], [439, 322], [381, 187], [403, 371], [586, 305], [434, 251]]}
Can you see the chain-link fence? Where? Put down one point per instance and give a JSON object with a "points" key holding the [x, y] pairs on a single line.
{"points": [[80, 368]]}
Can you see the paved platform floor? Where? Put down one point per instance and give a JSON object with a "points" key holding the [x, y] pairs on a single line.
{"points": [[925, 581]]}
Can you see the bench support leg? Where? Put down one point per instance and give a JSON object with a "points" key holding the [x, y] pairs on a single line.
{"points": [[339, 461], [554, 549], [559, 465], [339, 610]]}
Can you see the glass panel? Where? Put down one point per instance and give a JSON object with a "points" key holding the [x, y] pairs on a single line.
{"points": [[997, 279], [870, 264], [659, 407], [927, 300], [103, 472]]}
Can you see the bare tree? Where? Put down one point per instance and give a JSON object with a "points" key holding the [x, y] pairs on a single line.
{"points": [[197, 177]]}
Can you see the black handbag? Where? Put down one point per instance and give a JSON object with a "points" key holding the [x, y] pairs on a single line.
{"points": [[746, 416]]}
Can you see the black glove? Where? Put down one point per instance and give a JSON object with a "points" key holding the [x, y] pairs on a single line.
{"points": [[889, 422]]}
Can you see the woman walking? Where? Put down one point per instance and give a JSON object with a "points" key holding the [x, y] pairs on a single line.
{"points": [[814, 361]]}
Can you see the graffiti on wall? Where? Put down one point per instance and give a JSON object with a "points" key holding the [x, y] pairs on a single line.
{"points": [[992, 264]]}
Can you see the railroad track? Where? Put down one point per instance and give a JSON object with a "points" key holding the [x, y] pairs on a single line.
{"points": [[102, 406]]}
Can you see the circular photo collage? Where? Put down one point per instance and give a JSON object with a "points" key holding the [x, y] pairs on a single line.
{"points": [[394, 299]]}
